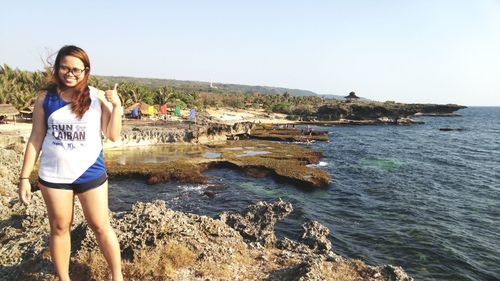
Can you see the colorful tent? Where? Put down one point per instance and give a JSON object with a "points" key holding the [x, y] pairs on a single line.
{"points": [[151, 110], [192, 114], [163, 109]]}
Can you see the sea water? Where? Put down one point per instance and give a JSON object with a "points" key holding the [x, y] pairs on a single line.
{"points": [[414, 196]]}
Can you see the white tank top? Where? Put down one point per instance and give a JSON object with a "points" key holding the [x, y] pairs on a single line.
{"points": [[72, 148]]}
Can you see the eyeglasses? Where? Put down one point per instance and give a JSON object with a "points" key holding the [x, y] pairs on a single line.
{"points": [[76, 71]]}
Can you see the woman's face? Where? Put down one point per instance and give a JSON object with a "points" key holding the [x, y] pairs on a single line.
{"points": [[71, 71]]}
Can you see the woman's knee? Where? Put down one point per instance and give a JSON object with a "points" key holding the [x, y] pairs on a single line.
{"points": [[60, 227], [99, 227]]}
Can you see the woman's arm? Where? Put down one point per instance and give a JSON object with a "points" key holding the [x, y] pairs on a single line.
{"points": [[111, 119], [38, 131]]}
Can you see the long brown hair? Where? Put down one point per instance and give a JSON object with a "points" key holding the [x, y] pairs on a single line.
{"points": [[81, 103]]}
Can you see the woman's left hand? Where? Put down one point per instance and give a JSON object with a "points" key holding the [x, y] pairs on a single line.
{"points": [[24, 191], [112, 96]]}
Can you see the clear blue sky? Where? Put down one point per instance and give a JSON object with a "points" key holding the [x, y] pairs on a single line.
{"points": [[427, 51]]}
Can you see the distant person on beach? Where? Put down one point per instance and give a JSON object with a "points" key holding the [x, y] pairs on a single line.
{"points": [[68, 119]]}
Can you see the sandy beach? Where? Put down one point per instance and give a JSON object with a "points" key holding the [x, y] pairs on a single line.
{"points": [[15, 128], [232, 115], [11, 132]]}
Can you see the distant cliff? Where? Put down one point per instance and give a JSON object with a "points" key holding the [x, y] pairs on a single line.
{"points": [[364, 110]]}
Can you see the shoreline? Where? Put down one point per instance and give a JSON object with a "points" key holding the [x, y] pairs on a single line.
{"points": [[214, 126], [243, 243], [259, 254]]}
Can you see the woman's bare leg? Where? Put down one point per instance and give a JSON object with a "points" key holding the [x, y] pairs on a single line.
{"points": [[95, 208], [59, 204]]}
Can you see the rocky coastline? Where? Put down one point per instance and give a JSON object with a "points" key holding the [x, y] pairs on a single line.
{"points": [[161, 244], [210, 129], [178, 132], [255, 158], [374, 113]]}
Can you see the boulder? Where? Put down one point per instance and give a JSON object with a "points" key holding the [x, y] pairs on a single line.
{"points": [[256, 223]]}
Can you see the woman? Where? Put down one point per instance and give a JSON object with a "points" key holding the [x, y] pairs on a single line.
{"points": [[68, 119]]}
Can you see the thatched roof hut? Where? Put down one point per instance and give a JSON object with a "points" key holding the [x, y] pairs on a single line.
{"points": [[27, 112], [28, 109], [7, 110]]}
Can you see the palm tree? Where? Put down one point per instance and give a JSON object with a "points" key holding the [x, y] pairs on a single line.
{"points": [[162, 94], [20, 88]]}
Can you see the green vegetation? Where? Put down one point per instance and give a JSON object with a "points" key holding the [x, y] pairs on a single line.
{"points": [[19, 88]]}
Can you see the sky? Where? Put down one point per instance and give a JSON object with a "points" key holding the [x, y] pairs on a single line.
{"points": [[420, 51]]}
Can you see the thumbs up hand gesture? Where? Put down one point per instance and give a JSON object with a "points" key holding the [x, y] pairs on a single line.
{"points": [[112, 96]]}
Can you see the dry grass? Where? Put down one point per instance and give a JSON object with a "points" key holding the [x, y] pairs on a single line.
{"points": [[90, 266], [159, 263], [244, 258], [218, 271], [242, 266], [340, 272]]}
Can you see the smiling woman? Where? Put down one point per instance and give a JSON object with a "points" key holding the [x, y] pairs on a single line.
{"points": [[68, 120], [71, 62]]}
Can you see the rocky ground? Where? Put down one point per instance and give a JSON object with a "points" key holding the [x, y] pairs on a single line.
{"points": [[371, 112], [161, 244], [158, 243], [256, 158], [145, 132]]}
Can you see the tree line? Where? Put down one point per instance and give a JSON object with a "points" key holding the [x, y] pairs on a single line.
{"points": [[20, 88]]}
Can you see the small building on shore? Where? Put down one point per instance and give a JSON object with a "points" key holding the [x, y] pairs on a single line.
{"points": [[6, 111], [27, 112], [351, 97]]}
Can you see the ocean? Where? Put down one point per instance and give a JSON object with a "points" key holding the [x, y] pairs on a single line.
{"points": [[415, 196]]}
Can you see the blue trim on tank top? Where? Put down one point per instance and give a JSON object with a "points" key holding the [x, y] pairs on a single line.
{"points": [[52, 103], [95, 171]]}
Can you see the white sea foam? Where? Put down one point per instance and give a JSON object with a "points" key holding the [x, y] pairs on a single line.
{"points": [[320, 164], [191, 187]]}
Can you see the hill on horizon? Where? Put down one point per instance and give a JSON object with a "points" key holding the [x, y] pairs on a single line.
{"points": [[205, 86]]}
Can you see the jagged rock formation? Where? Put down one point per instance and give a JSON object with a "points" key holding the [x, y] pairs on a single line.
{"points": [[163, 133], [151, 228], [288, 133], [256, 224], [388, 111], [315, 236], [161, 244]]}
